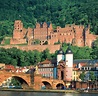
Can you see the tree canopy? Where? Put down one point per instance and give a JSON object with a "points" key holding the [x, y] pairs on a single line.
{"points": [[59, 12], [19, 57], [82, 76]]}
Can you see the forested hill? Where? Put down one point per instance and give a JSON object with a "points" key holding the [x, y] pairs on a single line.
{"points": [[59, 12]]}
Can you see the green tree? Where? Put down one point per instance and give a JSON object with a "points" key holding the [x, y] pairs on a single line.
{"points": [[91, 76], [14, 62], [46, 54], [15, 82], [82, 76], [94, 53], [37, 57]]}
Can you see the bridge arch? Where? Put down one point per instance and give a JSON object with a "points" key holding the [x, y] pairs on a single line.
{"points": [[24, 79], [46, 85], [60, 86], [21, 80], [53, 83], [6, 82]]}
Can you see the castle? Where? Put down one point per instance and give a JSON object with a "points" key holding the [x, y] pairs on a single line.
{"points": [[77, 35]]}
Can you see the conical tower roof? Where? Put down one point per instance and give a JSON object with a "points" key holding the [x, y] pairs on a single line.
{"points": [[69, 51], [61, 51]]}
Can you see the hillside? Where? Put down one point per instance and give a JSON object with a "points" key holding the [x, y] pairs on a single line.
{"points": [[59, 12]]}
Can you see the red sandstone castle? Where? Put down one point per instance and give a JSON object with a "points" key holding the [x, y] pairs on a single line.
{"points": [[74, 34]]}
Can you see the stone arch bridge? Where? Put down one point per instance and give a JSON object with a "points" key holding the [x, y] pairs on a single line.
{"points": [[32, 81]]}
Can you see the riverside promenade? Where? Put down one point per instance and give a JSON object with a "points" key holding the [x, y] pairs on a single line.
{"points": [[29, 90], [51, 91]]}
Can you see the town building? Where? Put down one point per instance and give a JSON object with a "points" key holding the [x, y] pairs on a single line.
{"points": [[69, 70], [46, 68], [61, 69]]}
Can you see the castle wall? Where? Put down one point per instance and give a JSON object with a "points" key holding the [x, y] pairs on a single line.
{"points": [[90, 38], [41, 32], [30, 33], [79, 35], [17, 41], [52, 48]]}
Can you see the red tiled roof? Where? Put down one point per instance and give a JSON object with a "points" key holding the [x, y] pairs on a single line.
{"points": [[74, 65], [9, 67], [46, 62], [76, 69], [83, 64]]}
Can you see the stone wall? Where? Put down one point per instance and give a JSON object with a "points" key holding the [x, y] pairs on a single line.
{"points": [[77, 35], [40, 48]]}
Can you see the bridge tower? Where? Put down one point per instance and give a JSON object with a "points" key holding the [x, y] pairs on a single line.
{"points": [[69, 64], [60, 56]]}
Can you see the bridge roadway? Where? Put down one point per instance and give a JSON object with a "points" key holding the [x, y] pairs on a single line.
{"points": [[37, 82]]}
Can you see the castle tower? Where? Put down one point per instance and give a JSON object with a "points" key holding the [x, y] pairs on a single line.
{"points": [[18, 30], [50, 29], [18, 25]]}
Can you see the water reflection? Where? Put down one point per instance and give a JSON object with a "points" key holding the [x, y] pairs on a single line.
{"points": [[72, 94], [9, 93], [68, 94]]}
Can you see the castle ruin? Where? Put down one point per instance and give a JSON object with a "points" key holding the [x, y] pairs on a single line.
{"points": [[77, 35]]}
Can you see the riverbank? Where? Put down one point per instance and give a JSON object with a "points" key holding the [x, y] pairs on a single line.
{"points": [[29, 90], [51, 91]]}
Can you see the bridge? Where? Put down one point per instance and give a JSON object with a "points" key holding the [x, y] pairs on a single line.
{"points": [[53, 83], [32, 81], [23, 78]]}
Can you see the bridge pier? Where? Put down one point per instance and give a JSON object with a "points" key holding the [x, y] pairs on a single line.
{"points": [[37, 81]]}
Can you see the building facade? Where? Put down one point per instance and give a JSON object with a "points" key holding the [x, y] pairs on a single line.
{"points": [[66, 69]]}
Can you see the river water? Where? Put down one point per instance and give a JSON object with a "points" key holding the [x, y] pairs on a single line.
{"points": [[10, 93]]}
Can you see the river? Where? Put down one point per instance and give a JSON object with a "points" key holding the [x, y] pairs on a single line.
{"points": [[11, 93]]}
